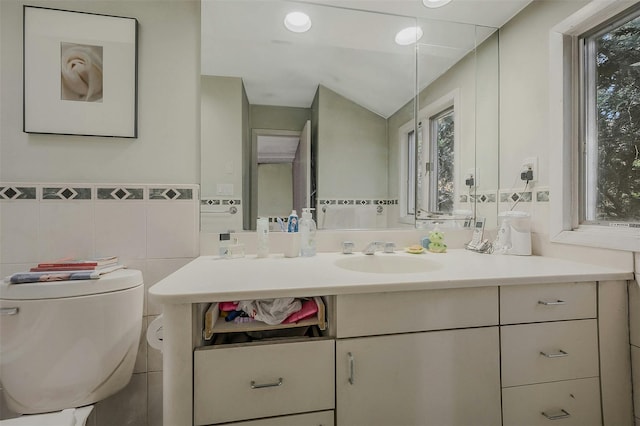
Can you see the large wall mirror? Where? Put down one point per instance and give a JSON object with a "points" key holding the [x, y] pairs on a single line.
{"points": [[342, 118]]}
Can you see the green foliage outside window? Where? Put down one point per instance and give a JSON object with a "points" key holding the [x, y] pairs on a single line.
{"points": [[617, 57]]}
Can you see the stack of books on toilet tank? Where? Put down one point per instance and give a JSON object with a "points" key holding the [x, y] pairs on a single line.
{"points": [[68, 269]]}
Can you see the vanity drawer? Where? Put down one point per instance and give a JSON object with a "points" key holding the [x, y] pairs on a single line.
{"points": [[321, 418], [547, 302], [580, 400], [545, 352], [401, 312], [248, 382]]}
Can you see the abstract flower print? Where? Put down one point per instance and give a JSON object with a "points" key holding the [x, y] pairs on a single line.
{"points": [[81, 72]]}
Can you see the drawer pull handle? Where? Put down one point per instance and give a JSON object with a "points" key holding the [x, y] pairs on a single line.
{"points": [[266, 385], [351, 367], [559, 354], [9, 311], [563, 415], [553, 303]]}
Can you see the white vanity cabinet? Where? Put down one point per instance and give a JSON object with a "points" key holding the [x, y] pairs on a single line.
{"points": [[549, 354], [263, 380], [448, 376], [542, 342]]}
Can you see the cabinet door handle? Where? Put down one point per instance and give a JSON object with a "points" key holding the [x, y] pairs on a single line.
{"points": [[559, 354], [9, 311], [351, 367], [266, 385], [552, 303], [563, 415]]}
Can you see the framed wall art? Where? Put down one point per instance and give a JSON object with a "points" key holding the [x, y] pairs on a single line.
{"points": [[79, 73]]}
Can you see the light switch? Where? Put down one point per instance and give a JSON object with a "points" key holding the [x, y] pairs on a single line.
{"points": [[224, 189]]}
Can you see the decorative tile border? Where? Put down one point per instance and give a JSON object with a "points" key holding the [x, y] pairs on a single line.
{"points": [[219, 202], [18, 193], [120, 193], [537, 195], [355, 202], [170, 193], [542, 196], [101, 192], [66, 193], [516, 197]]}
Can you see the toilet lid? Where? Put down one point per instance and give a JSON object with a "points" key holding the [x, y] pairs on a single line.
{"points": [[113, 281]]}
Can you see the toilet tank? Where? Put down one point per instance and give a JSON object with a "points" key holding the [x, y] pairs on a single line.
{"points": [[67, 344]]}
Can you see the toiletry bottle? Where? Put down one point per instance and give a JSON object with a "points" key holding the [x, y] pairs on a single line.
{"points": [[292, 225], [307, 234], [262, 231], [224, 242]]}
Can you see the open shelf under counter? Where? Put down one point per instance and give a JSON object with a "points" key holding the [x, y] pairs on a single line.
{"points": [[214, 323]]}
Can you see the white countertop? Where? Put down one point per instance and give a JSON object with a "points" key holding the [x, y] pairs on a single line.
{"points": [[212, 279]]}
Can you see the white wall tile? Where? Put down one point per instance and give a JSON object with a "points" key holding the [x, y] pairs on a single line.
{"points": [[158, 269], [19, 221], [121, 229], [12, 268], [66, 229], [172, 229], [155, 399], [141, 360], [127, 407]]}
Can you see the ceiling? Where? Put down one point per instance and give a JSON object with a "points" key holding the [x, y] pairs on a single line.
{"points": [[350, 48]]}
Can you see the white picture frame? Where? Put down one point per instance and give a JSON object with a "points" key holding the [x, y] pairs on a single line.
{"points": [[80, 73]]}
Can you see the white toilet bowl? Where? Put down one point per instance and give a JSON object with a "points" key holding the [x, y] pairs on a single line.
{"points": [[68, 417], [68, 344]]}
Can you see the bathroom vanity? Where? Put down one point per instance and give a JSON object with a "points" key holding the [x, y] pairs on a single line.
{"points": [[459, 338]]}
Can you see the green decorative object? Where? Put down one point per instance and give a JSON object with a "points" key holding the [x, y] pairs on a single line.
{"points": [[437, 244]]}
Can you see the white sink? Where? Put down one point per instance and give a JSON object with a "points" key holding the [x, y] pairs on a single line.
{"points": [[387, 264]]}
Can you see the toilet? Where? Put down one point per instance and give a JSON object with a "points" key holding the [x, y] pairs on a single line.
{"points": [[65, 345]]}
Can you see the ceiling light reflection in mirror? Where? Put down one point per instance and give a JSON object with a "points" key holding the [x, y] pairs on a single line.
{"points": [[297, 22]]}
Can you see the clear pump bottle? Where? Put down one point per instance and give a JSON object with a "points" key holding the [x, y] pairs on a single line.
{"points": [[307, 234]]}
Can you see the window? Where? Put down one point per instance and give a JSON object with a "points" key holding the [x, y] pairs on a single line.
{"points": [[610, 123], [427, 154], [441, 154], [594, 118]]}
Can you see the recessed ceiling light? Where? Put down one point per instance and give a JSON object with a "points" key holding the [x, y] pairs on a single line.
{"points": [[435, 3], [297, 22], [408, 36]]}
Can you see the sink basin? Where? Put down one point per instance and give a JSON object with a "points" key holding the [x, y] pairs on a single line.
{"points": [[387, 264]]}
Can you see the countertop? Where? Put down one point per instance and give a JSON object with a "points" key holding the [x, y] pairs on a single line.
{"points": [[212, 279]]}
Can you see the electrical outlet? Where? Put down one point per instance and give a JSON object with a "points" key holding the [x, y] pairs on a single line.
{"points": [[529, 169], [470, 178]]}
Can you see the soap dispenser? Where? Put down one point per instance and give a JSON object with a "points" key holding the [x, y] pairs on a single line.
{"points": [[292, 224], [307, 234]]}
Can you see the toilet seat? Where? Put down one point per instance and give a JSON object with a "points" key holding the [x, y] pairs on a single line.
{"points": [[68, 417]]}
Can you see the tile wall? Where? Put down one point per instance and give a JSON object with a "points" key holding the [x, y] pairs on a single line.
{"points": [[153, 228]]}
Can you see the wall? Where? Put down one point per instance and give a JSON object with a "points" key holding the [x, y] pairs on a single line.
{"points": [[222, 112], [347, 132], [524, 123], [155, 235], [167, 148], [477, 124], [275, 189]]}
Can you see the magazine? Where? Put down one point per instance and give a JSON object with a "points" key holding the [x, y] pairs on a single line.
{"points": [[35, 277]]}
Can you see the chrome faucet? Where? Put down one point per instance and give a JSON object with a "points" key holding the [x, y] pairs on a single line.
{"points": [[374, 246]]}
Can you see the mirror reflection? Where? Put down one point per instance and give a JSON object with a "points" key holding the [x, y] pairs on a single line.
{"points": [[366, 152]]}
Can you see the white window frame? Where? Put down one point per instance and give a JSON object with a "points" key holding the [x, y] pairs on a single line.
{"points": [[564, 89], [449, 100]]}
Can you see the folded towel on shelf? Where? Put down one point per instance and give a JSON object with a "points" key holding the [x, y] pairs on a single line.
{"points": [[309, 308], [270, 311]]}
